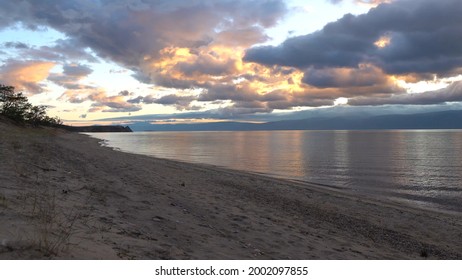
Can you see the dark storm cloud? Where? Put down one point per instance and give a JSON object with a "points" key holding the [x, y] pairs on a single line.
{"points": [[10, 12], [311, 50], [423, 39]]}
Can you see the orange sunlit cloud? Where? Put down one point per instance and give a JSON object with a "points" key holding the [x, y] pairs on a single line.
{"points": [[383, 42], [221, 71], [26, 75], [101, 101], [220, 65]]}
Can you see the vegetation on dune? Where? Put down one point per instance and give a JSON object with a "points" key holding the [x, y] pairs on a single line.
{"points": [[16, 106]]}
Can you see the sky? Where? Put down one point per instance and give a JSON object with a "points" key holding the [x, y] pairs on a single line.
{"points": [[247, 60]]}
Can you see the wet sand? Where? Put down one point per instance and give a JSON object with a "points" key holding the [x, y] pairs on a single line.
{"points": [[63, 196]]}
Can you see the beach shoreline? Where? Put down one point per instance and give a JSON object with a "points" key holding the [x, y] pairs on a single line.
{"points": [[64, 196]]}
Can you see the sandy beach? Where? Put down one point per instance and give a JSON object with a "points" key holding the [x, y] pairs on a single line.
{"points": [[63, 196]]}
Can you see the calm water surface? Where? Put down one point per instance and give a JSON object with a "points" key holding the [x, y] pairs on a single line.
{"points": [[422, 168]]}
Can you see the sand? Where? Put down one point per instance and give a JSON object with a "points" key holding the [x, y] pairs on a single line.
{"points": [[63, 196]]}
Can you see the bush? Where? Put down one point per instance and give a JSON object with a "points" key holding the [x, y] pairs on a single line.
{"points": [[16, 107]]}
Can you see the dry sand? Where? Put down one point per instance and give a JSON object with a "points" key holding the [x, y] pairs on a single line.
{"points": [[63, 196]]}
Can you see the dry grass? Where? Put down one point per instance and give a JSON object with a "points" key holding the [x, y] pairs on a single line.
{"points": [[48, 224], [53, 225]]}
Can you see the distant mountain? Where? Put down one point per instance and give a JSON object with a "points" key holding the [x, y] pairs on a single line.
{"points": [[434, 120], [97, 128], [213, 126]]}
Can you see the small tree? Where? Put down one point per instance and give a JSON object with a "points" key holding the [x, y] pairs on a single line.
{"points": [[36, 114], [16, 107]]}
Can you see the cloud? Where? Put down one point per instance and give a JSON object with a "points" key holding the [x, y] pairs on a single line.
{"points": [[104, 103], [207, 65], [15, 45], [127, 31], [174, 44], [76, 95], [334, 1], [452, 93], [118, 71], [233, 112], [244, 37], [228, 92], [25, 75], [180, 102], [10, 12], [137, 100], [364, 75], [373, 2], [337, 111], [60, 51], [76, 70], [71, 76], [100, 101], [208, 114], [197, 47], [125, 93], [422, 40], [366, 2], [70, 49], [136, 33]]}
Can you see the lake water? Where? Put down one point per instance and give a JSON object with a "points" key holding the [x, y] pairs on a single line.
{"points": [[420, 168]]}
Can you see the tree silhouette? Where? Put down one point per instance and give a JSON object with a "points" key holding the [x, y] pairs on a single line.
{"points": [[17, 107]]}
